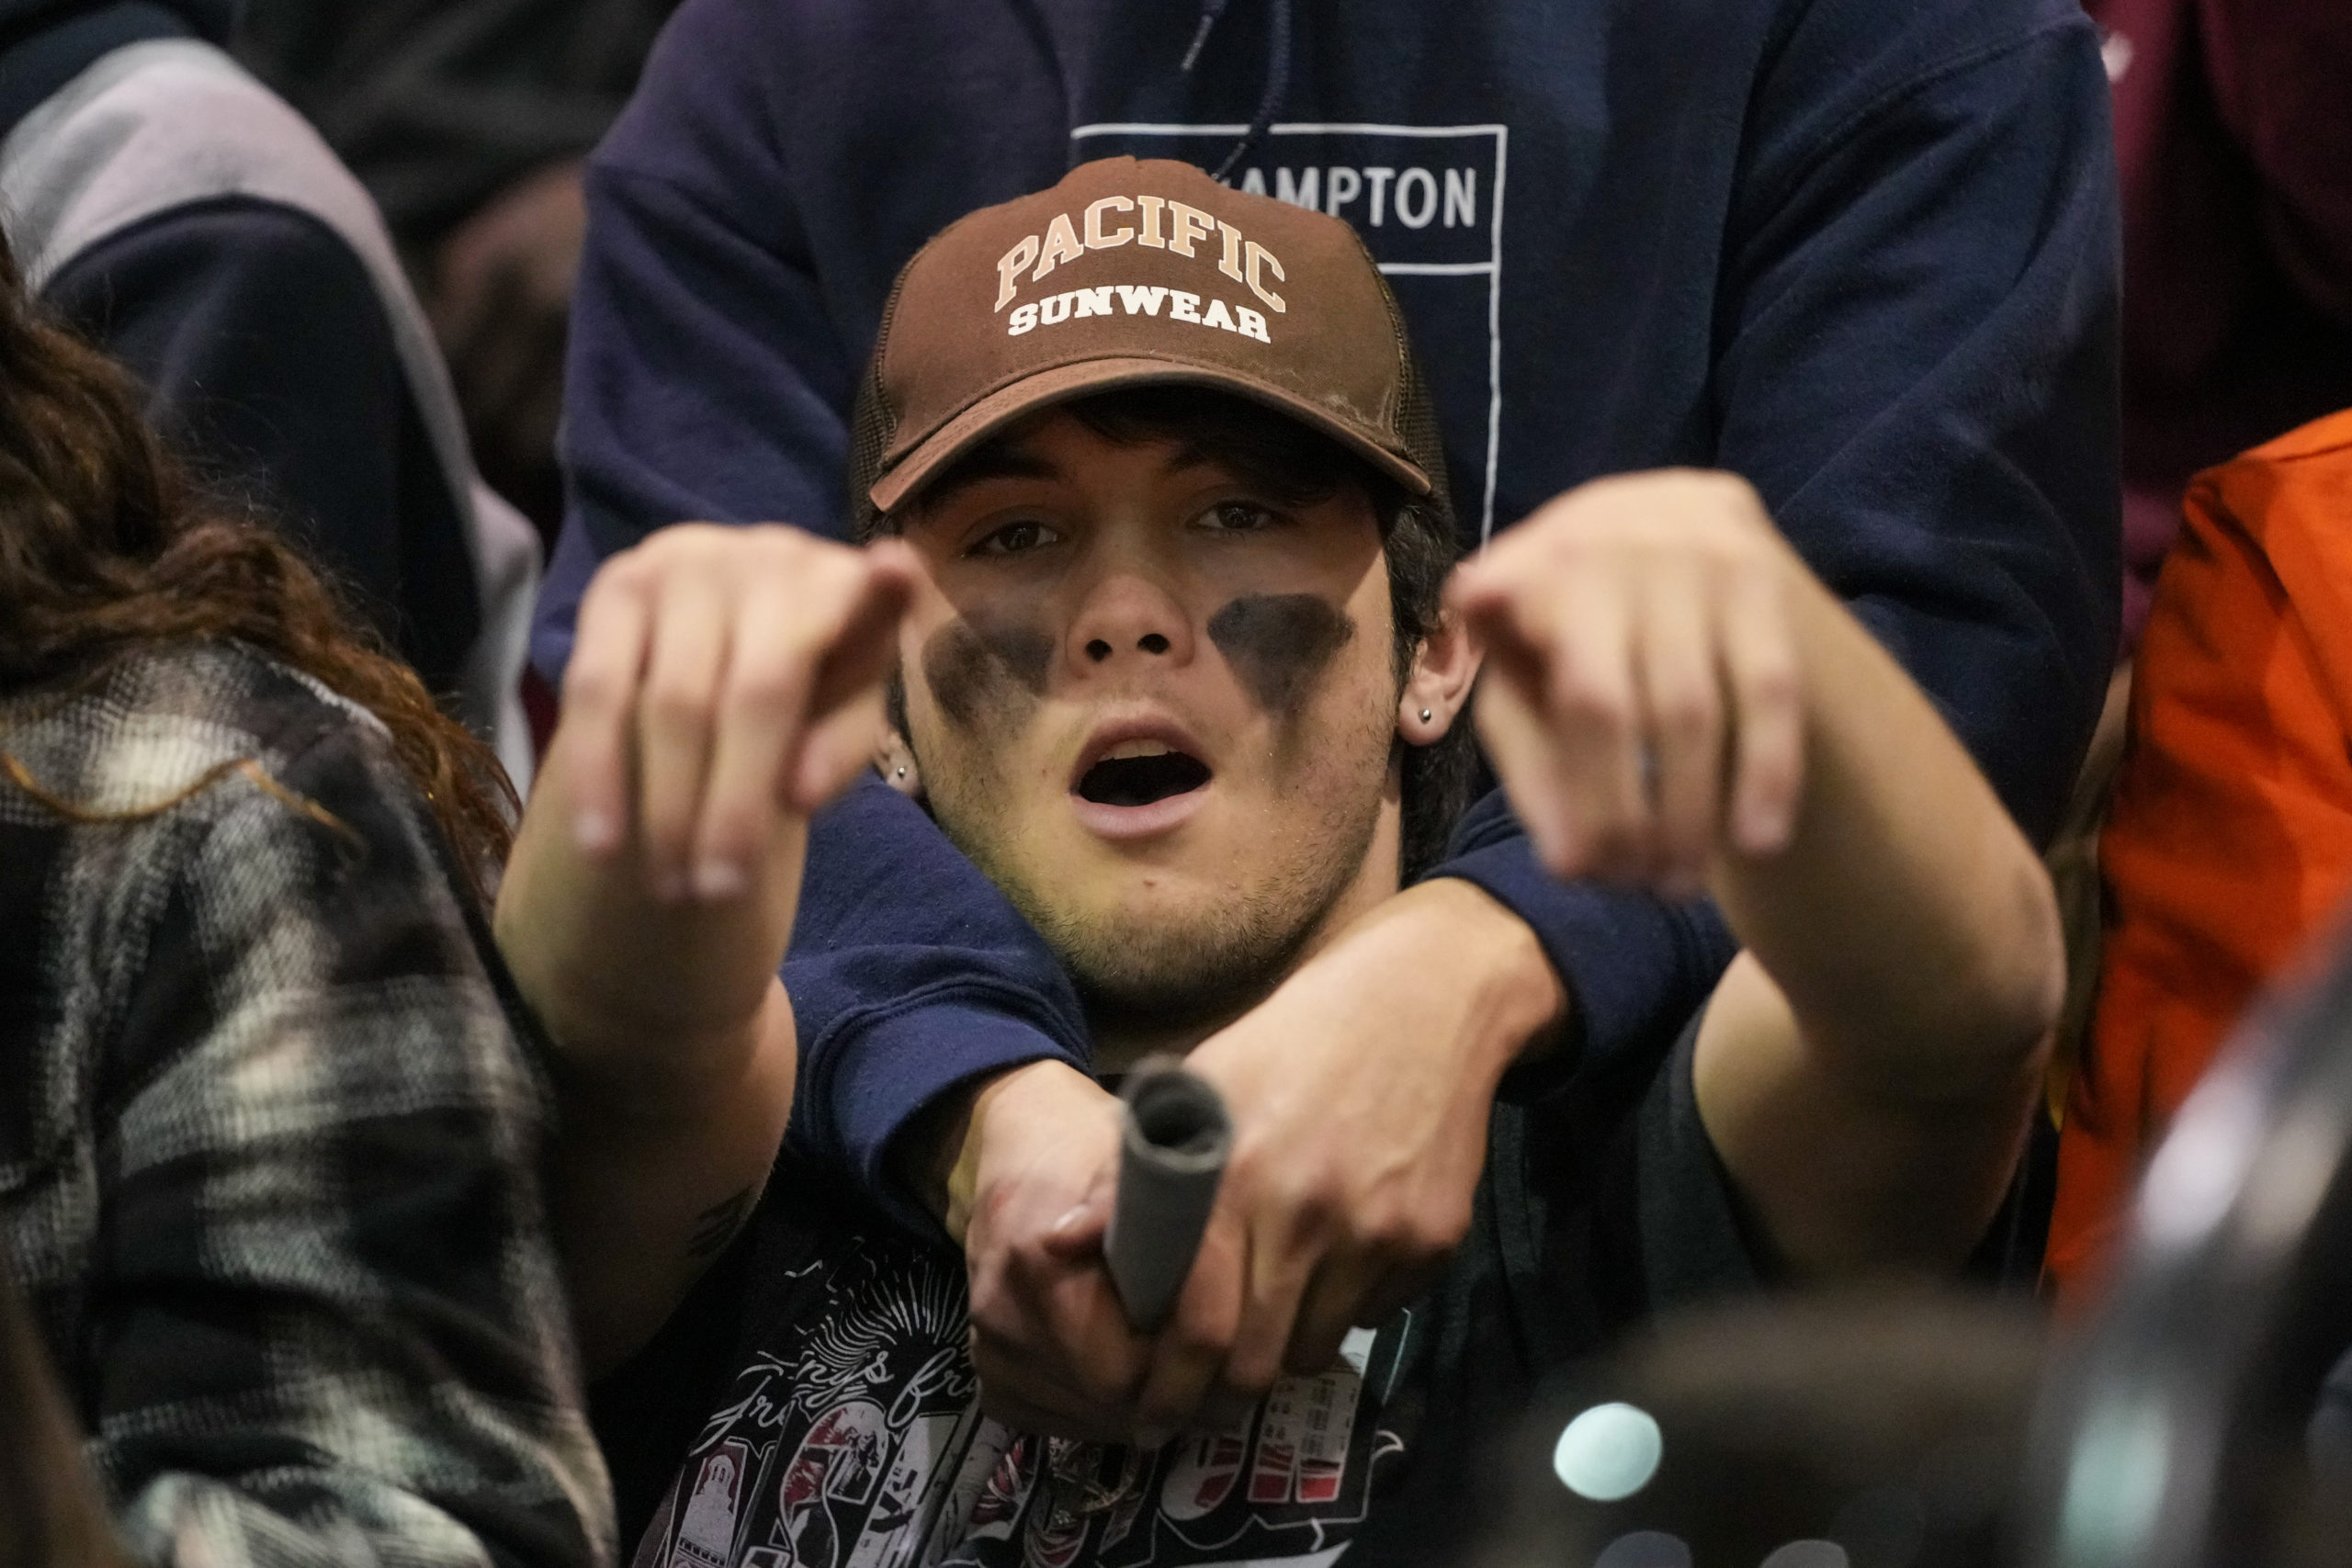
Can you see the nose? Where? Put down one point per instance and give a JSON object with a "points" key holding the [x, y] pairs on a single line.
{"points": [[1128, 617]]}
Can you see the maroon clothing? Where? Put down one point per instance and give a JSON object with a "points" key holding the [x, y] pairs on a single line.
{"points": [[2233, 135]]}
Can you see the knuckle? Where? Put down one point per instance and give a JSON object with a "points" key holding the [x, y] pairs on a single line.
{"points": [[1198, 1339], [590, 685], [1253, 1378], [675, 702], [1771, 679], [1687, 712], [1581, 695], [765, 687]]}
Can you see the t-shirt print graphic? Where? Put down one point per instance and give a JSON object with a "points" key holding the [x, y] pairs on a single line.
{"points": [[1429, 201], [852, 1439]]}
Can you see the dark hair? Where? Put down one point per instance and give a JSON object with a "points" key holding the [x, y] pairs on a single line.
{"points": [[107, 550], [1297, 466]]}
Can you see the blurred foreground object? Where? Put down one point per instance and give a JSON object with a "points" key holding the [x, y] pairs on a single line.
{"points": [[2234, 140], [1871, 1429], [2201, 1422], [2229, 836]]}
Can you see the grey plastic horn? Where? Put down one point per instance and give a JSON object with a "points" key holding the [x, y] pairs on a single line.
{"points": [[2164, 1438], [1172, 1149]]}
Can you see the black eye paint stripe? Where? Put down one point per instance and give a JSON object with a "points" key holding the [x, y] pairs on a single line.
{"points": [[1280, 644], [977, 667]]}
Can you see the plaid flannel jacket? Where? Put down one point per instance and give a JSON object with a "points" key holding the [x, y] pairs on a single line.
{"points": [[271, 1138]]}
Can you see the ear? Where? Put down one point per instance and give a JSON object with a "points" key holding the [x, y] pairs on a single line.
{"points": [[1438, 687], [895, 760]]}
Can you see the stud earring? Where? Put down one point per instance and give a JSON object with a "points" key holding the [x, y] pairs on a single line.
{"points": [[902, 773], [1425, 716]]}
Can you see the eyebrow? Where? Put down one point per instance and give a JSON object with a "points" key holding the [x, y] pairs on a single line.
{"points": [[993, 461]]}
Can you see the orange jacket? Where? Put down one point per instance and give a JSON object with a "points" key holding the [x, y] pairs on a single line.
{"points": [[2229, 839]]}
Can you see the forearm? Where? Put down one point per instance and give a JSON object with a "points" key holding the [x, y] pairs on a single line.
{"points": [[675, 1056], [648, 1194], [1632, 967], [1906, 921]]}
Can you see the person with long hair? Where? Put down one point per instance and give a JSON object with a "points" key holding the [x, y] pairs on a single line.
{"points": [[270, 1139]]}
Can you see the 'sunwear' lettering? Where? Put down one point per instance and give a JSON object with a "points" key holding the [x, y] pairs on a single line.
{"points": [[1135, 300]]}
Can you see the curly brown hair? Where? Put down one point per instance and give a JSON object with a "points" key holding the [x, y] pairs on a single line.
{"points": [[108, 548]]}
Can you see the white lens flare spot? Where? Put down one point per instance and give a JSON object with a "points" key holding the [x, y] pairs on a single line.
{"points": [[1608, 1452]]}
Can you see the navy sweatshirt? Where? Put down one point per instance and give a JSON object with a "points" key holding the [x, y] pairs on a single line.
{"points": [[1864, 255]]}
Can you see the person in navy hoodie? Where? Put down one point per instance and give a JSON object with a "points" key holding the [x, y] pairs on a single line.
{"points": [[183, 218], [1864, 257]]}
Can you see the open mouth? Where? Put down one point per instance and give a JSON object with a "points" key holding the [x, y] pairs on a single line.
{"points": [[1137, 773]]}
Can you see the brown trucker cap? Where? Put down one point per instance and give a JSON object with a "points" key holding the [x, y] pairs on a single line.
{"points": [[1131, 272]]}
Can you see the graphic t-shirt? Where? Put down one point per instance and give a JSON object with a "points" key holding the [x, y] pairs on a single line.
{"points": [[843, 1428]]}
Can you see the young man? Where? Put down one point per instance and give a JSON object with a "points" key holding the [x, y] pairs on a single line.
{"points": [[1862, 255], [1173, 670]]}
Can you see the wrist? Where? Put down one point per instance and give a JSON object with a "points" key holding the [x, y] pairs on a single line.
{"points": [[942, 1152], [1518, 1007], [652, 1075]]}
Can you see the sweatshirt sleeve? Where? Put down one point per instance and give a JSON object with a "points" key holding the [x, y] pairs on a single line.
{"points": [[1918, 366], [705, 380], [1918, 377], [327, 1322]]}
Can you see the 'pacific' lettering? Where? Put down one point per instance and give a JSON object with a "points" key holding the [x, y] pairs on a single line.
{"points": [[1061, 245], [1096, 238], [1262, 258], [1012, 262], [1229, 263], [1151, 205], [1187, 224]]}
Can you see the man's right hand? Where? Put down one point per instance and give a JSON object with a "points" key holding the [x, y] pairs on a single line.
{"points": [[725, 682], [1030, 1196]]}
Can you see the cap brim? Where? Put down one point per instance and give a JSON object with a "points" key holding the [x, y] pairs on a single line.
{"points": [[1062, 383]]}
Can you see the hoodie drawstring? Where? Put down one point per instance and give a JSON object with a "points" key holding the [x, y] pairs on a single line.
{"points": [[1270, 102]]}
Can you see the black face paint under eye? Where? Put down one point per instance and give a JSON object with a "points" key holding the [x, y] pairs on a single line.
{"points": [[978, 667], [1280, 644]]}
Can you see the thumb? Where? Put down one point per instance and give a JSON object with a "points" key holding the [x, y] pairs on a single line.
{"points": [[1077, 1235]]}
